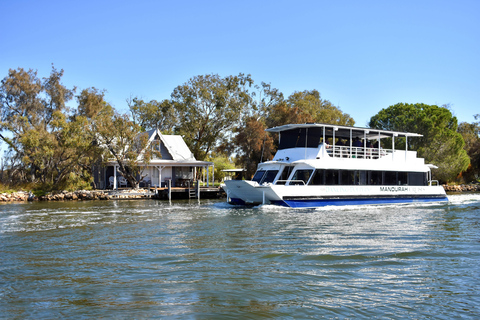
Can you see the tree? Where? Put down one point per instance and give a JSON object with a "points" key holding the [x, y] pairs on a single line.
{"points": [[441, 144], [471, 135], [253, 145], [121, 140], [117, 137], [312, 106], [208, 107], [153, 114], [91, 102], [45, 142]]}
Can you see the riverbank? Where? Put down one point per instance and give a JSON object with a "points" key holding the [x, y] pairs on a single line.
{"points": [[140, 194], [77, 195], [462, 188]]}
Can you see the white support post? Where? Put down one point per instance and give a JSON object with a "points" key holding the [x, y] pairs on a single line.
{"points": [[324, 143], [351, 142], [208, 176], [406, 147], [333, 142], [115, 177], [160, 169], [393, 146]]}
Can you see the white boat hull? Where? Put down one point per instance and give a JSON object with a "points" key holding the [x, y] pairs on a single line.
{"points": [[249, 193]]}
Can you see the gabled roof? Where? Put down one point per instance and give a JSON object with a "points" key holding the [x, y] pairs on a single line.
{"points": [[175, 145], [178, 152]]}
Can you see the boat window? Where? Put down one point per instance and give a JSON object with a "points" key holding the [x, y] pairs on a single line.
{"points": [[300, 137], [375, 177], [331, 177], [269, 176], [258, 176], [417, 178], [285, 174], [299, 176], [402, 178], [317, 178], [347, 177], [390, 178]]}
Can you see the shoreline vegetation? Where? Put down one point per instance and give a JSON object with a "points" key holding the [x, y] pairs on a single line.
{"points": [[23, 196]]}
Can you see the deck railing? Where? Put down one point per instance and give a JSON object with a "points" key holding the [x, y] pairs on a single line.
{"points": [[358, 152]]}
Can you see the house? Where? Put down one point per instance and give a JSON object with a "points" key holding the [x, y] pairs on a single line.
{"points": [[176, 164]]}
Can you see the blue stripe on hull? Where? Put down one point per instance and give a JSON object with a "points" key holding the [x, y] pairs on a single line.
{"points": [[313, 203]]}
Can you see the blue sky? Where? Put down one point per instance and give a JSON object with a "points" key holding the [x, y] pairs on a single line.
{"points": [[361, 55]]}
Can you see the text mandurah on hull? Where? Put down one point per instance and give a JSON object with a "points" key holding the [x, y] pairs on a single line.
{"points": [[321, 164]]}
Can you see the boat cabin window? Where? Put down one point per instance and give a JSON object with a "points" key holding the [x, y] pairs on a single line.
{"points": [[258, 176], [318, 178], [300, 177], [417, 179], [363, 177], [331, 177], [265, 176], [269, 176], [300, 137], [284, 175]]}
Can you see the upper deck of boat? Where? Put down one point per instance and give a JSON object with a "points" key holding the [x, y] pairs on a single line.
{"points": [[335, 141]]}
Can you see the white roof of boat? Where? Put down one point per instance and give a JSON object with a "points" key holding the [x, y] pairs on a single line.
{"points": [[370, 131]]}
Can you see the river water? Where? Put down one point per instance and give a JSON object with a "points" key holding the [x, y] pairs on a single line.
{"points": [[209, 260]]}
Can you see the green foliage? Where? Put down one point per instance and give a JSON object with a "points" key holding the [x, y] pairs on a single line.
{"points": [[221, 163], [48, 144], [207, 108], [471, 135], [253, 145], [121, 142], [311, 107], [153, 114], [441, 144]]}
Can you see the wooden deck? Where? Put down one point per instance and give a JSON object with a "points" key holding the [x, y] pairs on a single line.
{"points": [[186, 193]]}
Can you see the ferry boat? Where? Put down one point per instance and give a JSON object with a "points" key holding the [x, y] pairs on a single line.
{"points": [[321, 165]]}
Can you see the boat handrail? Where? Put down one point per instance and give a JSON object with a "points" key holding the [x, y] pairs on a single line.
{"points": [[430, 183], [357, 152]]}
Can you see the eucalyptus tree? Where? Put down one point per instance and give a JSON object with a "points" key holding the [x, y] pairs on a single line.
{"points": [[153, 114], [116, 137], [441, 144], [471, 135], [36, 126], [208, 107]]}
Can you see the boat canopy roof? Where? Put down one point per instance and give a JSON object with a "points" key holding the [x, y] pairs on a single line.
{"points": [[344, 131], [312, 134]]}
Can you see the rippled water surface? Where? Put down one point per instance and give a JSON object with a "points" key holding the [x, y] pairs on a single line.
{"points": [[209, 260]]}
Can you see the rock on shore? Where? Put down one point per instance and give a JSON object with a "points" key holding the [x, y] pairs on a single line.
{"points": [[75, 195], [462, 188]]}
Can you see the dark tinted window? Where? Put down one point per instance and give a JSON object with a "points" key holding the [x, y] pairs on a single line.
{"points": [[317, 178], [417, 178], [375, 177], [390, 178], [258, 176], [331, 177], [301, 175], [269, 176], [285, 174]]}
